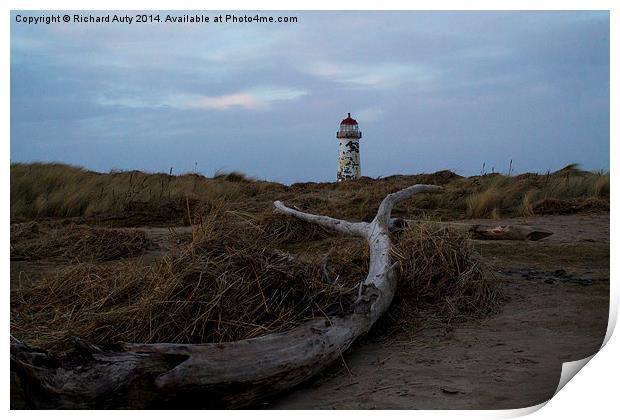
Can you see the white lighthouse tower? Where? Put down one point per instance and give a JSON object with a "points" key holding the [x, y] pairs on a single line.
{"points": [[349, 137]]}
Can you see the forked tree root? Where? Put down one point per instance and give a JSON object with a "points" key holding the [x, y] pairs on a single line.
{"points": [[224, 375]]}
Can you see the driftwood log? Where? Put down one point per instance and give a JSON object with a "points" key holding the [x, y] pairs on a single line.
{"points": [[509, 233], [224, 375], [499, 233]]}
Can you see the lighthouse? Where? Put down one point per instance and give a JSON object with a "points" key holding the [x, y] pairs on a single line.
{"points": [[349, 137]]}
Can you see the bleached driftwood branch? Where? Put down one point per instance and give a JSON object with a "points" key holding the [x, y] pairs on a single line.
{"points": [[218, 375]]}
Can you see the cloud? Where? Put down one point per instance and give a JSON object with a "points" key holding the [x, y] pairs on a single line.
{"points": [[253, 99], [242, 100], [365, 75]]}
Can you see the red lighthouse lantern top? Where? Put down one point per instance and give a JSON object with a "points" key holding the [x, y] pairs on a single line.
{"points": [[349, 121], [349, 129]]}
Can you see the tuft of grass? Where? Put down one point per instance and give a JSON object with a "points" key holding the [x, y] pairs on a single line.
{"points": [[600, 186], [441, 278], [484, 203], [573, 168], [526, 209], [232, 176]]}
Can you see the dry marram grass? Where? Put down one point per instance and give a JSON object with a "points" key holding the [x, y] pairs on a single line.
{"points": [[69, 241], [234, 281], [139, 198]]}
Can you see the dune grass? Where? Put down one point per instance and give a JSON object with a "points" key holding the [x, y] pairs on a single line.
{"points": [[137, 198], [57, 190], [69, 241], [568, 190], [247, 271], [236, 281]]}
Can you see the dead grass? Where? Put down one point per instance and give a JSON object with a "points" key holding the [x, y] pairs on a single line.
{"points": [[558, 206], [234, 281], [137, 198], [70, 241], [441, 280], [568, 190], [230, 283], [55, 190], [527, 209], [247, 272], [288, 230], [484, 203]]}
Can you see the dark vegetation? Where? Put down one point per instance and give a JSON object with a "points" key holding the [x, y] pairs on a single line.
{"points": [[246, 271], [137, 198], [238, 278], [69, 241]]}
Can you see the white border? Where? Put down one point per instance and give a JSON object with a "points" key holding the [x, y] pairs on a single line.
{"points": [[593, 393]]}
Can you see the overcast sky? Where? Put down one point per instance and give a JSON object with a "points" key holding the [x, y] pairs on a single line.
{"points": [[430, 90]]}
